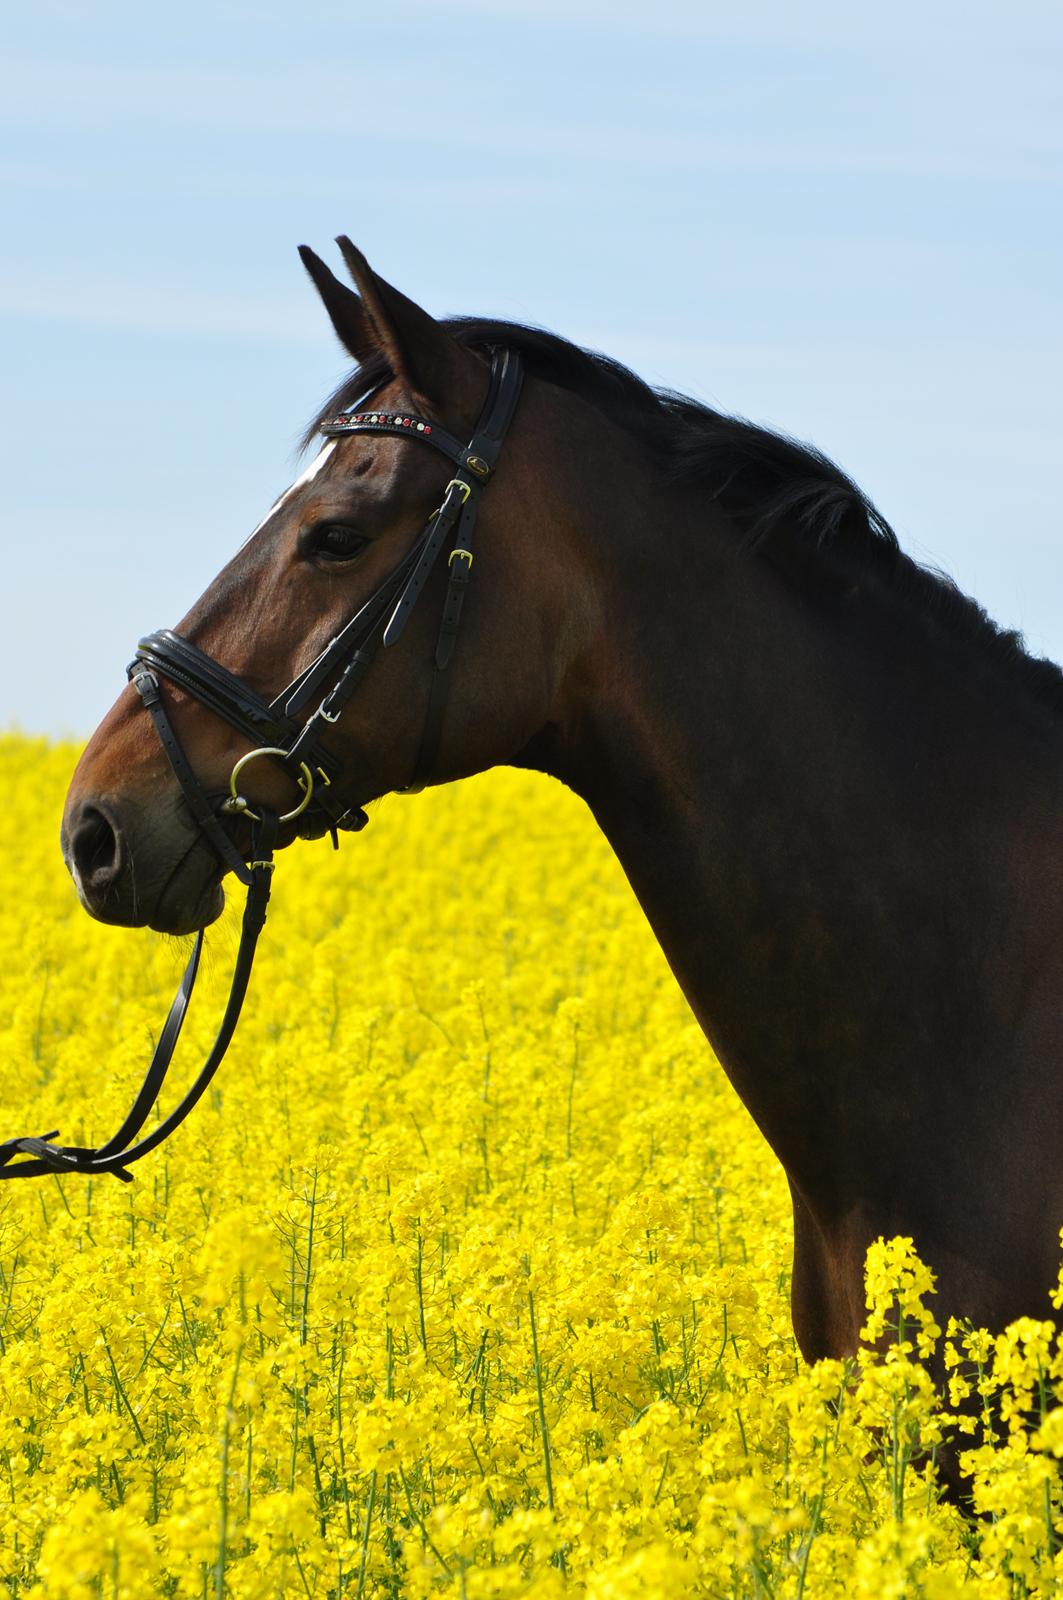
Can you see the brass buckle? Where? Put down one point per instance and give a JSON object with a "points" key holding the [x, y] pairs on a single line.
{"points": [[455, 483]]}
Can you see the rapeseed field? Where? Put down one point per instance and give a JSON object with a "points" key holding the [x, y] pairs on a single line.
{"points": [[469, 1277]]}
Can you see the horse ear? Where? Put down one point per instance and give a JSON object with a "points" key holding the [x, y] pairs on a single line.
{"points": [[419, 351], [346, 311]]}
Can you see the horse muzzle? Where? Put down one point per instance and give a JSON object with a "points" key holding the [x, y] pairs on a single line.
{"points": [[139, 872]]}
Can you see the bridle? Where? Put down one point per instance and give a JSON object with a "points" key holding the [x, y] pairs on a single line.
{"points": [[280, 731]]}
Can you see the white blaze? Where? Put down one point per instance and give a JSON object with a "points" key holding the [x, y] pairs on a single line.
{"points": [[311, 472]]}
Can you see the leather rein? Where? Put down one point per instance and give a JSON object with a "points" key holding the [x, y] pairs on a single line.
{"points": [[280, 731]]}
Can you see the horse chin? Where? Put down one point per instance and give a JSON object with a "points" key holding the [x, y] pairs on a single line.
{"points": [[188, 903], [310, 832]]}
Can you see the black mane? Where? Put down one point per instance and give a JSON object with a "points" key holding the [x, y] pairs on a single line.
{"points": [[774, 488]]}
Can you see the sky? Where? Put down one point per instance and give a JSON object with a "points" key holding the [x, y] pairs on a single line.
{"points": [[839, 220]]}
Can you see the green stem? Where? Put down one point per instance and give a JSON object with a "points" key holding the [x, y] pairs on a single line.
{"points": [[121, 1392], [571, 1092], [419, 1279], [370, 1503], [544, 1431], [223, 1493]]}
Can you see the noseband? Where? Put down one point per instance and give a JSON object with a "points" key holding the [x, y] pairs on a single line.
{"points": [[277, 733]]}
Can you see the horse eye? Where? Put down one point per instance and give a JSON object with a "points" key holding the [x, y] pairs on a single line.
{"points": [[335, 541]]}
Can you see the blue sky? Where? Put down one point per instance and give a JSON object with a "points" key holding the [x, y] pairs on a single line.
{"points": [[839, 220]]}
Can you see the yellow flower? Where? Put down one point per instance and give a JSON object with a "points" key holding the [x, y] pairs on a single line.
{"points": [[469, 1277]]}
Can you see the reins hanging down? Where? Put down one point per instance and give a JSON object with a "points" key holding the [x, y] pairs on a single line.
{"points": [[276, 733], [119, 1151]]}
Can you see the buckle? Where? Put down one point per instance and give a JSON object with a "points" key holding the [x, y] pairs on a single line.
{"points": [[459, 550], [144, 682]]}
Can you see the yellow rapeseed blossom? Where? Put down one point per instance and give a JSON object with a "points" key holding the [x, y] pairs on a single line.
{"points": [[469, 1276]]}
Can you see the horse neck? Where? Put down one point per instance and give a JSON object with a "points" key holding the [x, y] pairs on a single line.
{"points": [[837, 825]]}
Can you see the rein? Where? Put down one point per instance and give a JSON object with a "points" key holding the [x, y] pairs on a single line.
{"points": [[276, 732]]}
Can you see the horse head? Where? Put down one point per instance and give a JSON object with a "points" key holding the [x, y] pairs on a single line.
{"points": [[316, 599]]}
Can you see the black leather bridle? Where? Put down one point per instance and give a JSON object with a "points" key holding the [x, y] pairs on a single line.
{"points": [[280, 731]]}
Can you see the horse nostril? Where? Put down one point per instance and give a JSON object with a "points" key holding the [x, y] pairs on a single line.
{"points": [[96, 848]]}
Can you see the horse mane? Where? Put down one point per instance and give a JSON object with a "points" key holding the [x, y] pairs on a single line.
{"points": [[776, 489]]}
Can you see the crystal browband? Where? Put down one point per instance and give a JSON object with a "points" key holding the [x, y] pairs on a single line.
{"points": [[374, 419]]}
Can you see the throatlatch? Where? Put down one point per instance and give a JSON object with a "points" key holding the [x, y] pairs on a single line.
{"points": [[277, 734]]}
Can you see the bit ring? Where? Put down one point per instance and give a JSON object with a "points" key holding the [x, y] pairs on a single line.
{"points": [[239, 806]]}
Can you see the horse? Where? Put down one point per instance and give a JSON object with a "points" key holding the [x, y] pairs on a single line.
{"points": [[833, 782]]}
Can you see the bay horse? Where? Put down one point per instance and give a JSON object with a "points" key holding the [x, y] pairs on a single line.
{"points": [[834, 784]]}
